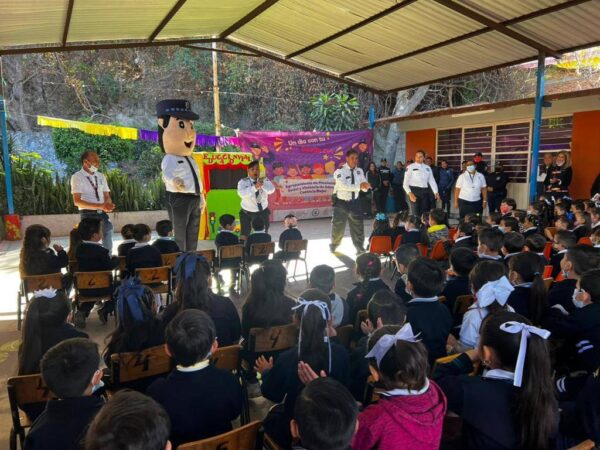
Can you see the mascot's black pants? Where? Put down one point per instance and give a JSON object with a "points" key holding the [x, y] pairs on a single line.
{"points": [[184, 211]]}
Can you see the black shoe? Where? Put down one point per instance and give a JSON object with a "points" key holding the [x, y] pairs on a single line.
{"points": [[79, 319]]}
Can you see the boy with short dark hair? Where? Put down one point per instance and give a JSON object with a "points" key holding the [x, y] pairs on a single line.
{"points": [[325, 416], [562, 241], [425, 313], [165, 242], [493, 219], [405, 254], [71, 371], [128, 241], [536, 243], [506, 207], [513, 244], [508, 224], [91, 256], [490, 243], [323, 277], [258, 236], [464, 236], [226, 235], [130, 421], [200, 399], [462, 260], [142, 255]]}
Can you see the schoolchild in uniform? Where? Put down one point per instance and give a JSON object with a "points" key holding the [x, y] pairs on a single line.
{"points": [[368, 269], [71, 371], [405, 254], [411, 410], [165, 242], [525, 272], [425, 313], [513, 245], [562, 241], [200, 399], [291, 233], [512, 405], [142, 255], [490, 243], [462, 261], [128, 241]]}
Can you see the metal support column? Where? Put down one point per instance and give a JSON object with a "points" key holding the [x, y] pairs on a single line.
{"points": [[7, 168], [537, 127]]}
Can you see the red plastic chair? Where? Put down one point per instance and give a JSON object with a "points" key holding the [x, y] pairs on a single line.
{"points": [[382, 246], [423, 249], [452, 232], [548, 250], [548, 271], [585, 241], [560, 277], [438, 252]]}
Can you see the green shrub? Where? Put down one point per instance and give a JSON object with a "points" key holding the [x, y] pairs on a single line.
{"points": [[70, 143]]}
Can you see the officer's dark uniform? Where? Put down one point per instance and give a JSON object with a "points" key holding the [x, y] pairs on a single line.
{"points": [[386, 180]]}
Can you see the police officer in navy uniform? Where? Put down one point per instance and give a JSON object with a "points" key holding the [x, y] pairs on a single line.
{"points": [[350, 180], [177, 138], [417, 181], [386, 180]]}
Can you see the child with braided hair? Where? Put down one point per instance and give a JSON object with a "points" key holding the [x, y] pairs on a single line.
{"points": [[368, 269]]}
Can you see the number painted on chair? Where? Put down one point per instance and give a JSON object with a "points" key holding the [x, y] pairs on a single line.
{"points": [[154, 275], [142, 360], [223, 446], [92, 282], [275, 338]]}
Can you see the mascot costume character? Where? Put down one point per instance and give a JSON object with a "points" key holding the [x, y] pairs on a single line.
{"points": [[177, 137]]}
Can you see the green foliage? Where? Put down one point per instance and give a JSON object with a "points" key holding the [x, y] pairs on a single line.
{"points": [[70, 143], [148, 163], [334, 112], [38, 190]]}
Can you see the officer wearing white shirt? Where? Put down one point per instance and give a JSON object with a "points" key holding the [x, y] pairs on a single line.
{"points": [[350, 180], [91, 195], [417, 181], [471, 193], [254, 192]]}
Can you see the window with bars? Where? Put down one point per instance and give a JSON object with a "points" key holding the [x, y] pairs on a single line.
{"points": [[508, 144]]}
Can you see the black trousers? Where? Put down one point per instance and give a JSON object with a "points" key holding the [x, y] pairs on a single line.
{"points": [[399, 198], [184, 212], [347, 212], [465, 207], [422, 203], [445, 195], [246, 220], [494, 199], [380, 197]]}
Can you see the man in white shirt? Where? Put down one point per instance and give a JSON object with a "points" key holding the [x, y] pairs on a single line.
{"points": [[350, 180], [254, 192], [470, 191], [91, 195], [177, 138], [417, 181]]}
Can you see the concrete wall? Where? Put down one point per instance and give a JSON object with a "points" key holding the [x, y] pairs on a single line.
{"points": [[62, 224]]}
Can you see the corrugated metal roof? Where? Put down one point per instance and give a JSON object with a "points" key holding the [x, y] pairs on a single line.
{"points": [[380, 45]]}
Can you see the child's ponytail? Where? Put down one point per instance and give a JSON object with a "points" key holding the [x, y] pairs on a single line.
{"points": [[314, 313], [531, 267], [368, 266]]}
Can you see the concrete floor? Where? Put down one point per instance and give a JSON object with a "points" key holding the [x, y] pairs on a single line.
{"points": [[316, 231]]}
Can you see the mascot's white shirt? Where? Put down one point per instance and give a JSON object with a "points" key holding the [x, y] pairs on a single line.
{"points": [[174, 166]]}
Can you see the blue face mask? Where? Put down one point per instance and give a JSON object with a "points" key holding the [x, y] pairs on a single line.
{"points": [[565, 273], [501, 229]]}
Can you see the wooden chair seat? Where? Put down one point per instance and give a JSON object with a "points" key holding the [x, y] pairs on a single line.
{"points": [[262, 249], [24, 390], [86, 281], [247, 437], [32, 283], [462, 304], [274, 339], [169, 259], [208, 254], [227, 358], [132, 366]]}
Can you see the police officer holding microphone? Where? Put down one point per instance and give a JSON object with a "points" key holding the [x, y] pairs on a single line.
{"points": [[417, 181], [349, 181]]}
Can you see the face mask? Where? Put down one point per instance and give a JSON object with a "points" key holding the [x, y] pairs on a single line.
{"points": [[93, 168], [481, 254], [504, 209], [577, 303], [471, 168], [404, 278], [408, 292], [565, 273], [477, 159], [501, 229], [559, 163]]}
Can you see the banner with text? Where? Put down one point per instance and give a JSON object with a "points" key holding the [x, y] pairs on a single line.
{"points": [[301, 165]]}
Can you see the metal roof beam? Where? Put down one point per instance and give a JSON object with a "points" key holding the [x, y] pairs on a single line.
{"points": [[496, 26], [248, 17], [166, 20], [472, 34], [67, 22], [352, 28]]}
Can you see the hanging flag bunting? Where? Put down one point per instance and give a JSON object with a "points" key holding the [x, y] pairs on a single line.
{"points": [[202, 140]]}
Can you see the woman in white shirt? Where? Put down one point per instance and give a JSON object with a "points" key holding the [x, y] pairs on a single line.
{"points": [[471, 193]]}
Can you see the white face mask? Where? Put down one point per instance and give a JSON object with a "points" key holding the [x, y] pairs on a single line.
{"points": [[577, 303], [93, 168], [471, 168]]}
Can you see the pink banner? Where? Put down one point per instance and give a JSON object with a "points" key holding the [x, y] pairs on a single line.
{"points": [[301, 165]]}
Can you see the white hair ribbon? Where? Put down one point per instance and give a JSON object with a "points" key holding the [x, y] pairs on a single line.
{"points": [[48, 293], [492, 291], [526, 331], [387, 341], [325, 313]]}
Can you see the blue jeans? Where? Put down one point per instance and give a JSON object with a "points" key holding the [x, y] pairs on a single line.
{"points": [[107, 226]]}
